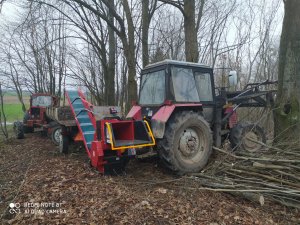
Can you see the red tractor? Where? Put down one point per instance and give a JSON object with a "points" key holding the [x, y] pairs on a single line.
{"points": [[179, 114], [36, 117], [188, 114]]}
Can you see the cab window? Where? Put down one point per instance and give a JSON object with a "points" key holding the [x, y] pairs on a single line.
{"points": [[204, 86], [184, 86]]}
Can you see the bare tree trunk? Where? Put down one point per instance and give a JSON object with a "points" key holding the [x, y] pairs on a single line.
{"points": [[287, 115], [126, 36], [15, 80], [1, 4], [3, 126], [129, 52], [62, 54], [147, 14], [145, 32], [111, 59], [187, 9], [190, 32]]}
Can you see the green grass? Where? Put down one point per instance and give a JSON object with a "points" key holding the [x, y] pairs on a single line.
{"points": [[13, 112], [13, 93]]}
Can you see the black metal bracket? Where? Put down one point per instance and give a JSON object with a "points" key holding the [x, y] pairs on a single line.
{"points": [[75, 100]]}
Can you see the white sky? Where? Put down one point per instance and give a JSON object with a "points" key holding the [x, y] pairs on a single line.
{"points": [[8, 12]]}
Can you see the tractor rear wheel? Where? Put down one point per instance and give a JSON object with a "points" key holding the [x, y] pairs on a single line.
{"points": [[247, 136], [64, 144], [187, 143], [56, 135]]}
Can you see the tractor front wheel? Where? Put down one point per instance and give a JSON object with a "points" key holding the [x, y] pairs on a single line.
{"points": [[187, 143], [247, 136], [18, 130]]}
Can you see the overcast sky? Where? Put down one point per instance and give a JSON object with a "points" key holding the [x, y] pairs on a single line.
{"points": [[9, 12]]}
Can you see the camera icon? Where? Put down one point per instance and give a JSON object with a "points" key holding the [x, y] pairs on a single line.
{"points": [[14, 208]]}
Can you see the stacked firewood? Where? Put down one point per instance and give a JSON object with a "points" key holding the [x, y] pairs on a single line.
{"points": [[269, 175]]}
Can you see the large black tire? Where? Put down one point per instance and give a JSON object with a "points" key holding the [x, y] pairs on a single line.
{"points": [[18, 130], [247, 136], [64, 144], [187, 143], [56, 135]]}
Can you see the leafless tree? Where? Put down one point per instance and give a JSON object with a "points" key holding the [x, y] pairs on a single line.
{"points": [[35, 51], [147, 14], [167, 38], [102, 44], [191, 25], [124, 29], [3, 124], [1, 4], [287, 116]]}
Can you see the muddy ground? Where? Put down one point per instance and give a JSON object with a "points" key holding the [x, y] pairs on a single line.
{"points": [[49, 188]]}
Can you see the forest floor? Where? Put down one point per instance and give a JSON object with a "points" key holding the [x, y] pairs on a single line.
{"points": [[49, 188]]}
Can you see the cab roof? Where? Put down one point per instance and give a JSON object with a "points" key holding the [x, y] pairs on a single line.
{"points": [[41, 94], [175, 62]]}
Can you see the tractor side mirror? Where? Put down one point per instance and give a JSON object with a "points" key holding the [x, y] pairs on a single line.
{"points": [[232, 78]]}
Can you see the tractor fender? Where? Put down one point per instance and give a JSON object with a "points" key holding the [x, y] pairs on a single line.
{"points": [[135, 112], [161, 117]]}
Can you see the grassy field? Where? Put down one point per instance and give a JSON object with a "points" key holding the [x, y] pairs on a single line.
{"points": [[13, 108], [13, 112]]}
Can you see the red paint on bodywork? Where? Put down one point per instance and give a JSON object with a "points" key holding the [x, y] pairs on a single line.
{"points": [[233, 118], [97, 155], [164, 113], [135, 112], [39, 120]]}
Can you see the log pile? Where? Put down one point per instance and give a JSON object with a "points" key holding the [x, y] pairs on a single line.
{"points": [[272, 175]]}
